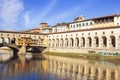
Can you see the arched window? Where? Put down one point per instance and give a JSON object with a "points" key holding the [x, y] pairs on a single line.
{"points": [[104, 39], [113, 41], [82, 42], [77, 42], [71, 42], [96, 41], [89, 41]]}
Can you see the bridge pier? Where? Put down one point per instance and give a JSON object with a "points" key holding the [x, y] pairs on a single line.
{"points": [[22, 50]]}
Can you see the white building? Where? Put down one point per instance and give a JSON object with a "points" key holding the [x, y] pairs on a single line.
{"points": [[60, 27]]}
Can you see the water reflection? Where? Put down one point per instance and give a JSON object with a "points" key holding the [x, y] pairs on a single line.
{"points": [[56, 68], [82, 69], [27, 69]]}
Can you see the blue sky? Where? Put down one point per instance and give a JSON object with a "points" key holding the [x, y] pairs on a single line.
{"points": [[28, 14]]}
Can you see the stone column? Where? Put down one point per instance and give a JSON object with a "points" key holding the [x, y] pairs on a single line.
{"points": [[100, 42], [108, 42], [74, 43], [69, 43], [63, 43], [93, 43], [54, 44], [117, 44], [86, 43], [79, 45], [59, 43]]}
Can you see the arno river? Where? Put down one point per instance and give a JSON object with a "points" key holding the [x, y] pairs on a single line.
{"points": [[27, 67]]}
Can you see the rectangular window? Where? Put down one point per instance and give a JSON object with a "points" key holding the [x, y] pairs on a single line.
{"points": [[79, 25], [83, 24], [74, 25], [90, 23], [86, 24]]}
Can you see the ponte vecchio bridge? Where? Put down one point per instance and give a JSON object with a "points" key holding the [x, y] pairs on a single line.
{"points": [[19, 41]]}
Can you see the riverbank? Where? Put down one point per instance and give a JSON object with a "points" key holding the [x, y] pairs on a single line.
{"points": [[96, 57]]}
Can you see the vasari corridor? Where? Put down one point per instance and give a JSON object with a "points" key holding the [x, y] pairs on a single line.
{"points": [[59, 40]]}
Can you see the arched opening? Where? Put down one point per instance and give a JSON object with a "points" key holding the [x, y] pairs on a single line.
{"points": [[89, 41], [77, 42], [2, 40], [13, 41], [62, 42], [7, 40], [113, 41], [66, 42], [96, 41], [82, 42], [104, 39], [71, 42]]}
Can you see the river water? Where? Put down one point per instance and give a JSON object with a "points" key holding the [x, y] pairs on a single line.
{"points": [[28, 67]]}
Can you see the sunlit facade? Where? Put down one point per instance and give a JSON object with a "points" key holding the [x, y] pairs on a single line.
{"points": [[98, 34]]}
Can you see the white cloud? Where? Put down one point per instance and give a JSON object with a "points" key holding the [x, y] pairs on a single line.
{"points": [[10, 11], [27, 18]]}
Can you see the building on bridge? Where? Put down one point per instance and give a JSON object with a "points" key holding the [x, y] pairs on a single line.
{"points": [[20, 38]]}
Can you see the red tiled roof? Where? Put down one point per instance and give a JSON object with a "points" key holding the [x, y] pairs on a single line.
{"points": [[1, 31], [96, 18]]}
